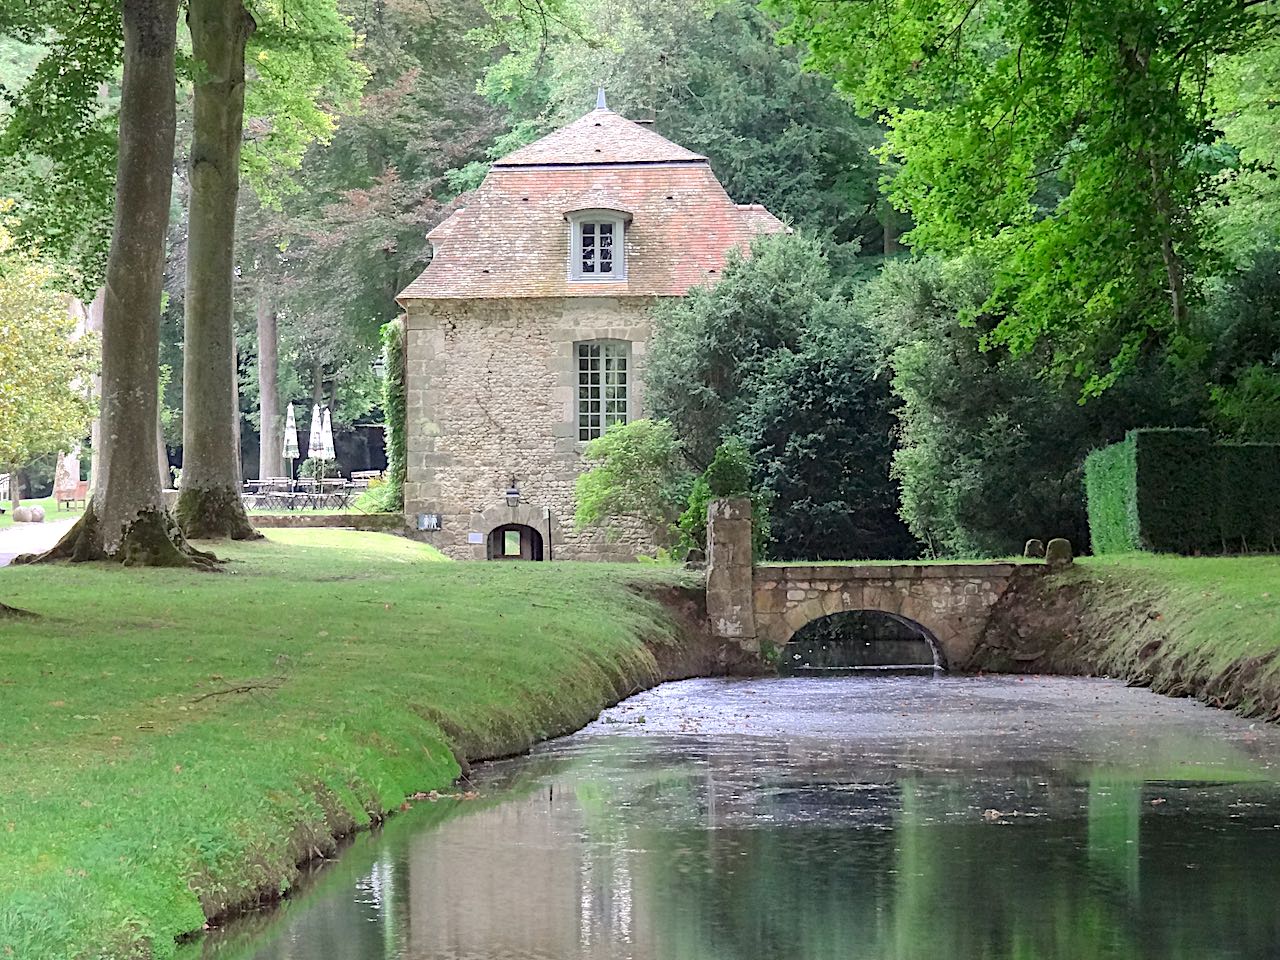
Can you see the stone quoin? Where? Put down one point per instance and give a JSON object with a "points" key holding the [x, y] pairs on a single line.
{"points": [[525, 336]]}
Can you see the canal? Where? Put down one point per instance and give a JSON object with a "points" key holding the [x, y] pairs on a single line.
{"points": [[885, 818]]}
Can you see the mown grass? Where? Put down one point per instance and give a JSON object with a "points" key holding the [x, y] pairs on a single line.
{"points": [[135, 786], [1210, 611]]}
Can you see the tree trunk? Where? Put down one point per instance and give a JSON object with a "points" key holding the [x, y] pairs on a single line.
{"points": [[891, 234], [126, 519], [1173, 266], [210, 504], [271, 437], [93, 323], [162, 452]]}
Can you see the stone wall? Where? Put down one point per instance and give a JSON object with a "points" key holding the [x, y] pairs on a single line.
{"points": [[491, 394], [952, 601]]}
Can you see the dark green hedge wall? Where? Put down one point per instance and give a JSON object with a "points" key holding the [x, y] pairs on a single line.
{"points": [[1176, 491]]}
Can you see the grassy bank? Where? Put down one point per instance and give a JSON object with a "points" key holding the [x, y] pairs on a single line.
{"points": [[173, 742], [1207, 627]]}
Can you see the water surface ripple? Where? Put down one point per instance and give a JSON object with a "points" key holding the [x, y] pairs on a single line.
{"points": [[886, 818]]}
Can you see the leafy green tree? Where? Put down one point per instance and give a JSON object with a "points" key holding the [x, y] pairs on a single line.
{"points": [[729, 474], [710, 75], [1071, 141], [822, 428], [1243, 364], [990, 453], [324, 263], [775, 354], [45, 365]]}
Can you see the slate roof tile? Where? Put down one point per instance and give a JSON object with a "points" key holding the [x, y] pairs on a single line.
{"points": [[510, 237]]}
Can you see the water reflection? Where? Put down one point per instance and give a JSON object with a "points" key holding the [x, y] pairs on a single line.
{"points": [[895, 819]]}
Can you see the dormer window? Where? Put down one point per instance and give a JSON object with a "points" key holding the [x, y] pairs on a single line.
{"points": [[596, 239], [598, 248]]}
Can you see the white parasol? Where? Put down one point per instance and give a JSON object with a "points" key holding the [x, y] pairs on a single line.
{"points": [[314, 443], [326, 438], [290, 451]]}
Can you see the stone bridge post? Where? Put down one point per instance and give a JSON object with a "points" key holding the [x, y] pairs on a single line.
{"points": [[730, 591]]}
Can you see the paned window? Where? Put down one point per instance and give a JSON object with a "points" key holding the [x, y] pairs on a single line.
{"points": [[597, 249], [602, 386]]}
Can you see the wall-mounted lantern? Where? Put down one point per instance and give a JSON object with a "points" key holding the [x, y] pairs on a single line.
{"points": [[513, 494]]}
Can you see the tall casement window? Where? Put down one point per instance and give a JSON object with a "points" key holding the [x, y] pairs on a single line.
{"points": [[598, 248], [602, 386]]}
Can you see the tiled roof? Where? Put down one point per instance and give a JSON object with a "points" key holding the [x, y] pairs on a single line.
{"points": [[510, 238], [601, 136]]}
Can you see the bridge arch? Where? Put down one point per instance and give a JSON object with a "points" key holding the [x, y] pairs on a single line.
{"points": [[951, 602], [874, 627]]}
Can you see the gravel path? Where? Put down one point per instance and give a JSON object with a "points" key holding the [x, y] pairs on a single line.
{"points": [[30, 538]]}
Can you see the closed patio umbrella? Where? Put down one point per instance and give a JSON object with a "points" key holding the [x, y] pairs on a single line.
{"points": [[290, 451], [317, 427], [326, 438]]}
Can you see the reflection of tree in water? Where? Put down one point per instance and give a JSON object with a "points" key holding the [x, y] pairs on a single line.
{"points": [[946, 882], [860, 638]]}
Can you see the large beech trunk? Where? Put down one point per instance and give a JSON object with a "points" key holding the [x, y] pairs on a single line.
{"points": [[271, 445], [93, 323], [209, 504], [126, 519]]}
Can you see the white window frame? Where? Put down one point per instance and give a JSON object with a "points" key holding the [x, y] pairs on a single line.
{"points": [[618, 225], [591, 398]]}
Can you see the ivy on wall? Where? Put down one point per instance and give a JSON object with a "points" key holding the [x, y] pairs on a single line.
{"points": [[394, 406]]}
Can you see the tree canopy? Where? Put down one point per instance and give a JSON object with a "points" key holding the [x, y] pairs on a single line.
{"points": [[1073, 142], [46, 364]]}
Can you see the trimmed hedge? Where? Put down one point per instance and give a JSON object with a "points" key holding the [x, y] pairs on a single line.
{"points": [[1112, 497], [1176, 491]]}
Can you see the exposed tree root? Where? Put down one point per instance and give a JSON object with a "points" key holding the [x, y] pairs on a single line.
{"points": [[152, 540], [8, 611], [214, 514]]}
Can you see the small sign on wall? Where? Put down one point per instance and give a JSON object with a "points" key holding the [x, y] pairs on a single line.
{"points": [[474, 537], [429, 521]]}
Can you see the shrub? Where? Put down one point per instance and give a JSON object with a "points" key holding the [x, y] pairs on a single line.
{"points": [[729, 475]]}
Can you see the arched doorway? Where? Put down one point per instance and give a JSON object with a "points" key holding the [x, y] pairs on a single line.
{"points": [[860, 640], [514, 541]]}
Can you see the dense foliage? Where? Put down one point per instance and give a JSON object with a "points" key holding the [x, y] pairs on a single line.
{"points": [[1071, 141], [634, 470], [990, 454], [45, 364], [777, 355]]}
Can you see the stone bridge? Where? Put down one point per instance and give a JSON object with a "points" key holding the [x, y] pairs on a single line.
{"points": [[765, 605]]}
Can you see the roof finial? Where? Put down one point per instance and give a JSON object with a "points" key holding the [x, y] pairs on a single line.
{"points": [[600, 103]]}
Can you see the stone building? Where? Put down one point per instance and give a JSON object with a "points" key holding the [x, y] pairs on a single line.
{"points": [[526, 334]]}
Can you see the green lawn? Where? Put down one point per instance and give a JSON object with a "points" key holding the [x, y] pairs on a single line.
{"points": [[1215, 609], [51, 512], [132, 772]]}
